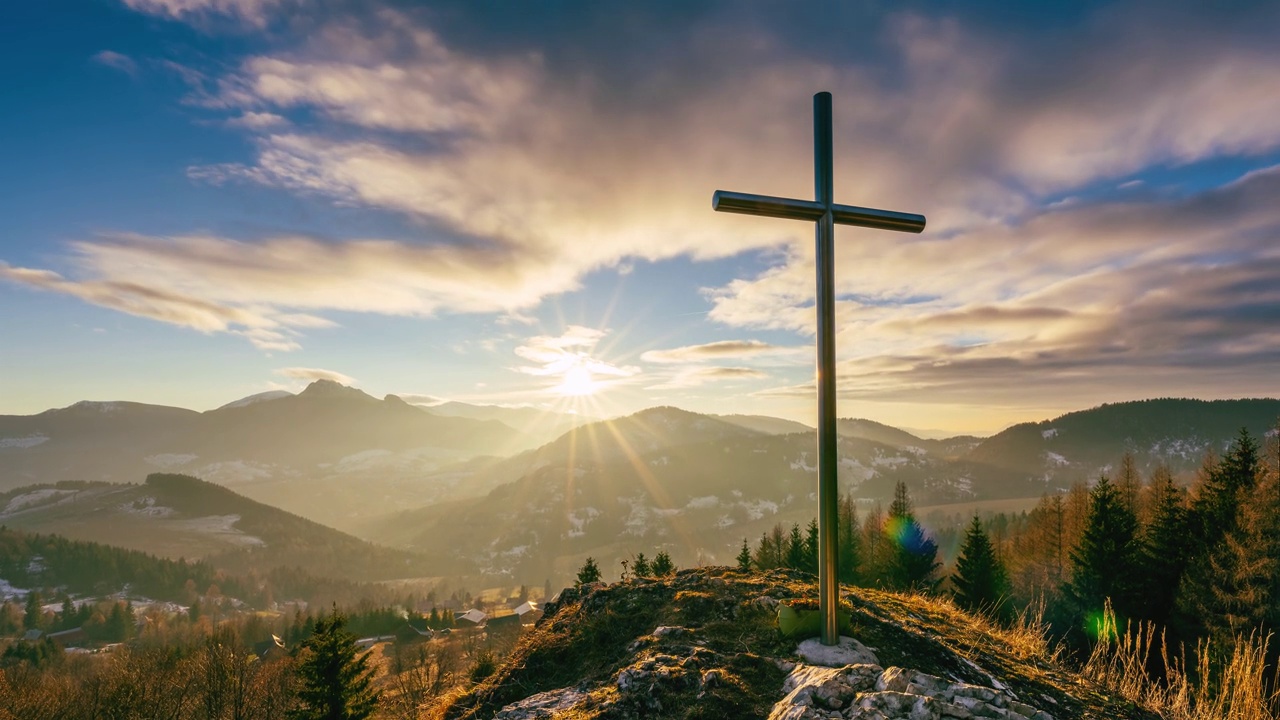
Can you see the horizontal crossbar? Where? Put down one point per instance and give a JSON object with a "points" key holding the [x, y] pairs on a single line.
{"points": [[812, 210]]}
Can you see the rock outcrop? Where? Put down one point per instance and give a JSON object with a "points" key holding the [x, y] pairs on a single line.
{"points": [[704, 644]]}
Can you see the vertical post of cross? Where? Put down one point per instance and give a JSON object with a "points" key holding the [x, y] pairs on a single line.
{"points": [[826, 214], [824, 256]]}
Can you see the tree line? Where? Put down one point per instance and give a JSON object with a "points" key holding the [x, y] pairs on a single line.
{"points": [[1198, 564]]}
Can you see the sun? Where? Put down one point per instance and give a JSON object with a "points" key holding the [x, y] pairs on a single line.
{"points": [[577, 382]]}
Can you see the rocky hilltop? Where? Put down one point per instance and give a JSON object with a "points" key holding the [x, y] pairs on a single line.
{"points": [[705, 644]]}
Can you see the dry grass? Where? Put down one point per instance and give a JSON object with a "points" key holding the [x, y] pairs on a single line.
{"points": [[1234, 689]]}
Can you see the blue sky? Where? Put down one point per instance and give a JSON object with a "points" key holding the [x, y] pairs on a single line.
{"points": [[499, 203]]}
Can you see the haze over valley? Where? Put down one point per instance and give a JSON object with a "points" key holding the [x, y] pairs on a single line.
{"points": [[523, 496]]}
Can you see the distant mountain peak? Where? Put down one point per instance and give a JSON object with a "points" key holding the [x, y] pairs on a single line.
{"points": [[257, 398], [332, 389]]}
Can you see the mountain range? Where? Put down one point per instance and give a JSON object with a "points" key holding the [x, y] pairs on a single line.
{"points": [[424, 480]]}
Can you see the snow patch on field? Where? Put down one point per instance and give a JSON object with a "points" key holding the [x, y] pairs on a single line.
{"points": [[220, 526], [169, 460], [756, 509], [102, 407], [578, 520], [1186, 448], [802, 464], [1056, 459], [702, 503], [9, 592], [33, 498], [1051, 432], [147, 507], [856, 470], [882, 461], [22, 443]]}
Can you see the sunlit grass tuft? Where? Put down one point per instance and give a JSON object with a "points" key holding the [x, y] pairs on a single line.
{"points": [[1232, 690]]}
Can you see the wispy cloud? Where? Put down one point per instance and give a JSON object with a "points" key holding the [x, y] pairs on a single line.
{"points": [[251, 12], [264, 327], [313, 374], [269, 290], [1076, 304], [695, 376], [718, 351], [257, 120], [118, 61]]}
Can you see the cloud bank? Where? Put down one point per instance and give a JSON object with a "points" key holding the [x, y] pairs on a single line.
{"points": [[533, 153]]}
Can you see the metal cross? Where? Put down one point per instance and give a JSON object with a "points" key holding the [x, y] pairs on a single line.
{"points": [[826, 213]]}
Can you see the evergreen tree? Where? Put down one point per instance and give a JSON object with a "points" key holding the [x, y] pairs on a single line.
{"points": [[33, 619], [1221, 489], [641, 566], [1164, 548], [1105, 563], [811, 547], [67, 617], [744, 557], [849, 541], [1246, 566], [588, 573], [334, 679], [1129, 483], [981, 581], [662, 565], [913, 558], [1206, 599], [795, 553], [771, 551]]}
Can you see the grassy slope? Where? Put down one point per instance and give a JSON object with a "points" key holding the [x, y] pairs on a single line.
{"points": [[96, 513], [587, 638]]}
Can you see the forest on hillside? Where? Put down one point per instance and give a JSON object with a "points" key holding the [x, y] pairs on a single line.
{"points": [[1166, 571]]}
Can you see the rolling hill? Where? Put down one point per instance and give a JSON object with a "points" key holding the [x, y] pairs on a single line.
{"points": [[697, 485], [177, 516]]}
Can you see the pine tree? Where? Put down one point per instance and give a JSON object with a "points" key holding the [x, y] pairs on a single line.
{"points": [[913, 561], [849, 541], [588, 573], [1129, 483], [982, 583], [1207, 597], [1164, 547], [33, 619], [794, 555], [662, 565], [770, 553], [641, 566], [1221, 489], [1105, 563], [335, 680], [811, 547], [67, 617], [1246, 566], [744, 557]]}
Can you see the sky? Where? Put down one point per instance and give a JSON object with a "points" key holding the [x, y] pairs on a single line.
{"points": [[510, 203]]}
